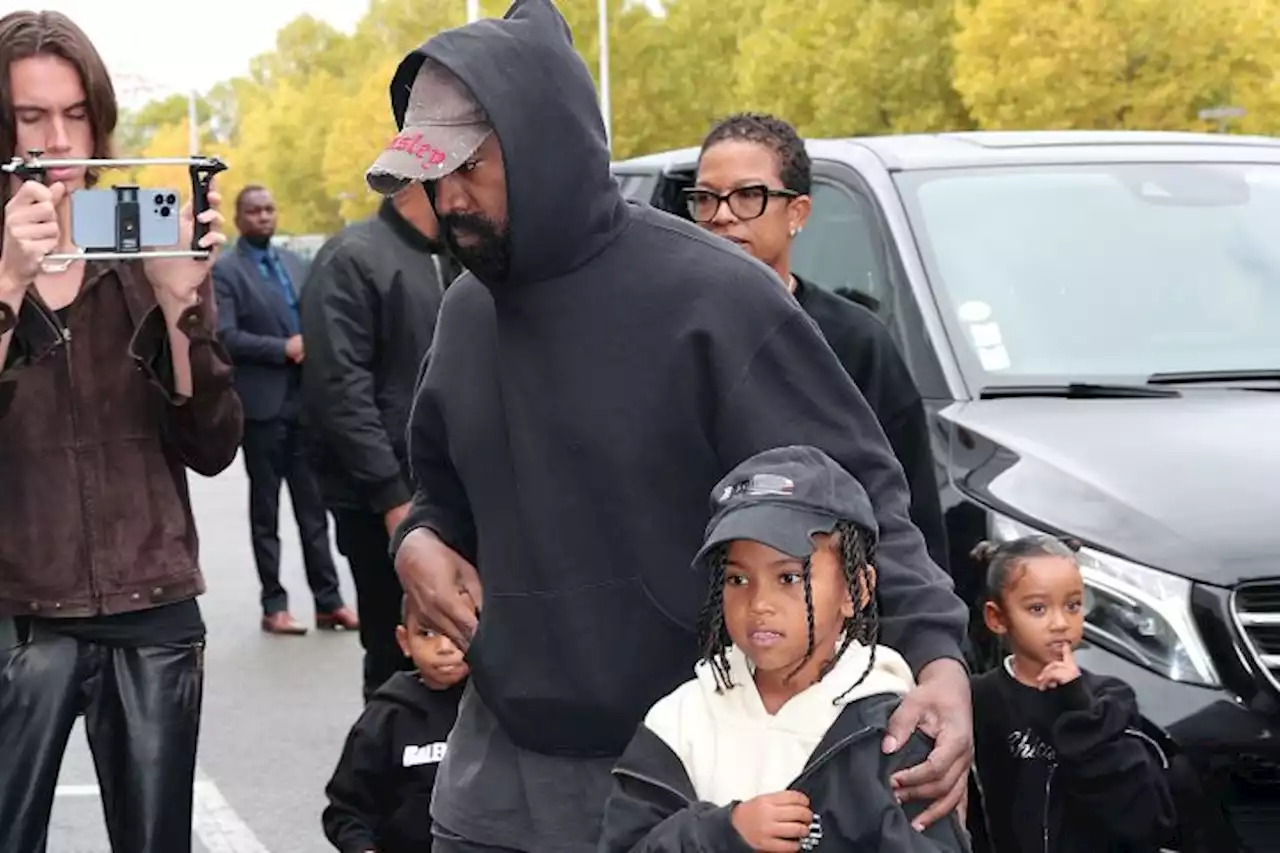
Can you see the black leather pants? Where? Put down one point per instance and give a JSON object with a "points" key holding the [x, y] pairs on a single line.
{"points": [[142, 716]]}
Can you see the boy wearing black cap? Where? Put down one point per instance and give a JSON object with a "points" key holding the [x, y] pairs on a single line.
{"points": [[776, 740]]}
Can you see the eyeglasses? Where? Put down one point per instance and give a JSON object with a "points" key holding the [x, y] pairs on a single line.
{"points": [[744, 202]]}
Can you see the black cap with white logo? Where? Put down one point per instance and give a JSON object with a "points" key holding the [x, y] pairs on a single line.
{"points": [[782, 498]]}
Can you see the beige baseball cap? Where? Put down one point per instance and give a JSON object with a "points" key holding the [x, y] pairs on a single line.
{"points": [[443, 127]]}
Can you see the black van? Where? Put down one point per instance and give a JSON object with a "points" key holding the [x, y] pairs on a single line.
{"points": [[1094, 321]]}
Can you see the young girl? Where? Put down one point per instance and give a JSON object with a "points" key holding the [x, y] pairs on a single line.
{"points": [[1061, 762], [775, 745]]}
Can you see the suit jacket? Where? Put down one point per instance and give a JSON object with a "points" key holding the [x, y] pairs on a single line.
{"points": [[253, 324]]}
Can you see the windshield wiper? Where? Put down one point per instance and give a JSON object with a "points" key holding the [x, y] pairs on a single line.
{"points": [[1076, 391], [1191, 377]]}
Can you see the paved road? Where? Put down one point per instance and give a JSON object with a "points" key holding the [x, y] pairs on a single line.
{"points": [[275, 710]]}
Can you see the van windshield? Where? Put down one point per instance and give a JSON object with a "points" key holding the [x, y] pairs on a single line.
{"points": [[1120, 270]]}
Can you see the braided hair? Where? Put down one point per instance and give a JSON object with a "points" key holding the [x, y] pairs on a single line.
{"points": [[1001, 561], [794, 166], [856, 553]]}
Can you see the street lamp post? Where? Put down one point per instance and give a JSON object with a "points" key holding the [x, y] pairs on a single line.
{"points": [[193, 134], [133, 86], [606, 110], [473, 10]]}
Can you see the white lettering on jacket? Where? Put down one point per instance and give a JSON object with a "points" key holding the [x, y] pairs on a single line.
{"points": [[431, 753]]}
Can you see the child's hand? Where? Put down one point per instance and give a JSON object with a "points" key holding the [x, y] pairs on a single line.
{"points": [[773, 823], [1060, 672]]}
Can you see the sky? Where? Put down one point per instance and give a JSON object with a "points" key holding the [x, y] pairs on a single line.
{"points": [[151, 46], [155, 44]]}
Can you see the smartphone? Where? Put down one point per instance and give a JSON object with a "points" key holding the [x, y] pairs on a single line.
{"points": [[125, 219]]}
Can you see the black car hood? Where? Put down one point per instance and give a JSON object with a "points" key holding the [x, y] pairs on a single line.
{"points": [[1190, 485]]}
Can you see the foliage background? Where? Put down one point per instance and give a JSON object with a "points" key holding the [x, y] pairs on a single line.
{"points": [[310, 116]]}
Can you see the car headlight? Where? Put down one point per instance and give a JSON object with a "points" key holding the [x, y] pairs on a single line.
{"points": [[1135, 611]]}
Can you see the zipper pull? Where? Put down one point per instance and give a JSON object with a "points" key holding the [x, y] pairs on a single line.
{"points": [[814, 838], [66, 334]]}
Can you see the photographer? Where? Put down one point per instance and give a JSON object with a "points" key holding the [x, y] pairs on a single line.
{"points": [[112, 384]]}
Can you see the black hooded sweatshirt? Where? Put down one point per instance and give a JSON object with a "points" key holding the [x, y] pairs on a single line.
{"points": [[380, 793], [1067, 770], [573, 419]]}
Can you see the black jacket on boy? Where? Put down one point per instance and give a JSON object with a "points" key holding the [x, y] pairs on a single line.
{"points": [[380, 794]]}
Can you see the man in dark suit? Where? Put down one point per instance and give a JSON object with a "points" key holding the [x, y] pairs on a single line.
{"points": [[257, 287]]}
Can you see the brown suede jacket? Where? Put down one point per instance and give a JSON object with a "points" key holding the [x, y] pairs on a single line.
{"points": [[95, 517]]}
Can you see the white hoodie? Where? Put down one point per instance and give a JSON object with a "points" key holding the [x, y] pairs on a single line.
{"points": [[733, 749]]}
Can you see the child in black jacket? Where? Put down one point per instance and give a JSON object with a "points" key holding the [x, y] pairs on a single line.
{"points": [[1062, 763], [380, 794], [776, 742]]}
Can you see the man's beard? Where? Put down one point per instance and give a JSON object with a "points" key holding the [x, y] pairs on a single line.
{"points": [[435, 245], [489, 257], [258, 241]]}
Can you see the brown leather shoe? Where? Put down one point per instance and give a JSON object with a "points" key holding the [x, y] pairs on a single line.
{"points": [[344, 618], [283, 623]]}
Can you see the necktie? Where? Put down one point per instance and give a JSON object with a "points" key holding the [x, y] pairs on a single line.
{"points": [[275, 271]]}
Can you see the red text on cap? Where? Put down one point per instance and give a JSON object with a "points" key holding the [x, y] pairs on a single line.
{"points": [[417, 148]]}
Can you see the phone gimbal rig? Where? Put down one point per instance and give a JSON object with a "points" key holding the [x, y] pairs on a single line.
{"points": [[201, 170]]}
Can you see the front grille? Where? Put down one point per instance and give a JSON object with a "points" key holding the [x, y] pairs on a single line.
{"points": [[1256, 825], [1253, 808], [1256, 607]]}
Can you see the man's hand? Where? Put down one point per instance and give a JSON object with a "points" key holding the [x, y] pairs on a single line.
{"points": [[394, 516], [773, 823], [433, 574], [31, 231], [940, 707], [293, 349], [177, 281], [1059, 672]]}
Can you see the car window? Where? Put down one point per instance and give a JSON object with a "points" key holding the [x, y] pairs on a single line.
{"points": [[1110, 270], [635, 185], [839, 247]]}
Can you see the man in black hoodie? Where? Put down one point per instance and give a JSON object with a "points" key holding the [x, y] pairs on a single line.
{"points": [[368, 313], [599, 369]]}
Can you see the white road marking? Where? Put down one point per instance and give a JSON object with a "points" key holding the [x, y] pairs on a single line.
{"points": [[76, 791], [217, 825], [213, 820]]}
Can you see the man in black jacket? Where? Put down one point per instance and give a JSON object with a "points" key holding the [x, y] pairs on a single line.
{"points": [[368, 315]]}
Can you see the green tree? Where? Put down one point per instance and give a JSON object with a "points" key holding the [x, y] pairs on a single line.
{"points": [[675, 74], [1150, 64], [362, 127], [281, 143], [395, 27], [304, 46], [136, 127], [852, 67]]}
